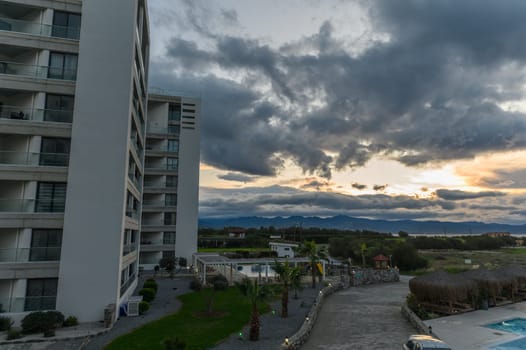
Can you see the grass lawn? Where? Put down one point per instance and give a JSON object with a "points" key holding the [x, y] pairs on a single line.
{"points": [[198, 332], [462, 260]]}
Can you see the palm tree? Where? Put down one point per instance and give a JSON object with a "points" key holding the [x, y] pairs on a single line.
{"points": [[310, 250], [286, 274], [256, 293], [295, 282]]}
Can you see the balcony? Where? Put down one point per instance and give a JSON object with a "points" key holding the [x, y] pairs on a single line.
{"points": [[34, 159], [156, 204], [36, 114], [156, 246], [43, 72], [132, 213], [23, 304], [126, 285], [129, 248], [161, 167], [21, 26], [170, 130], [16, 205], [10, 255], [135, 181]]}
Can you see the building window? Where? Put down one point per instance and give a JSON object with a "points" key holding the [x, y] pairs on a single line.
{"points": [[173, 146], [45, 245], [51, 197], [174, 113], [54, 151], [171, 181], [66, 25], [171, 163], [62, 66], [41, 294], [170, 200], [170, 218], [169, 238], [59, 108]]}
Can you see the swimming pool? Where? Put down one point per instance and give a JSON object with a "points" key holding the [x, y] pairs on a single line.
{"points": [[519, 344], [514, 325]]}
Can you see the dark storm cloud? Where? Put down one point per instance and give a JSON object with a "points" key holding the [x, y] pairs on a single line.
{"points": [[268, 201], [454, 195], [358, 186], [429, 93], [379, 187], [237, 177]]}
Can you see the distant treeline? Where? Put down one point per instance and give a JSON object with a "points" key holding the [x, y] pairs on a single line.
{"points": [[462, 242]]}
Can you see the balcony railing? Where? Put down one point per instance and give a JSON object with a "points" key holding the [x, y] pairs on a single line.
{"points": [[170, 167], [44, 72], [127, 284], [36, 114], [21, 26], [135, 181], [167, 241], [159, 203], [128, 248], [132, 213], [160, 184], [34, 158], [27, 304], [29, 254], [170, 130], [16, 205]]}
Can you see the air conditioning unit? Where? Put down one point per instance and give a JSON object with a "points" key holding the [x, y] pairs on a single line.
{"points": [[133, 305]]}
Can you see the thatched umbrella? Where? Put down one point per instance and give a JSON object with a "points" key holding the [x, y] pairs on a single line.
{"points": [[517, 276], [441, 287], [490, 283]]}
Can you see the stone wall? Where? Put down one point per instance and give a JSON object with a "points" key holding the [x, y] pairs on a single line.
{"points": [[301, 336], [361, 277], [414, 319]]}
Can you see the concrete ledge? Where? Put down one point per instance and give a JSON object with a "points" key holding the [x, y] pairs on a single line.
{"points": [[414, 319], [301, 336], [86, 331]]}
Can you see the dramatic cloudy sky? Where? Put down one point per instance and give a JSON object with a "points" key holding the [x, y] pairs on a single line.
{"points": [[382, 109]]}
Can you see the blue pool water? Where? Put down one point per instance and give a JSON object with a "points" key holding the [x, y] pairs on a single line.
{"points": [[519, 344], [515, 325]]}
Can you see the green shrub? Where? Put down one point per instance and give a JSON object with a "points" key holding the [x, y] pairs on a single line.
{"points": [[143, 307], [196, 285], [14, 334], [71, 321], [151, 284], [151, 280], [148, 294], [5, 323], [40, 321], [174, 343]]}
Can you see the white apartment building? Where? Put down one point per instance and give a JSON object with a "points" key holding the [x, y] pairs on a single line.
{"points": [[171, 181], [73, 100]]}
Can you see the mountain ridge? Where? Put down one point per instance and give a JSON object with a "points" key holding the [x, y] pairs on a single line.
{"points": [[344, 222]]}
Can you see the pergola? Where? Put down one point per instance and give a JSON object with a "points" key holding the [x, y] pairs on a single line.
{"points": [[203, 263]]}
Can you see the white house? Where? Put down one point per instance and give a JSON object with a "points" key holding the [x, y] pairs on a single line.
{"points": [[284, 250]]}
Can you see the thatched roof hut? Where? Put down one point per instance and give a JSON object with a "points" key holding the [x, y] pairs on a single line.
{"points": [[490, 282], [517, 272], [441, 287]]}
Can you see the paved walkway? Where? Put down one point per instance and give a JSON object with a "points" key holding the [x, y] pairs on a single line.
{"points": [[366, 317], [467, 331]]}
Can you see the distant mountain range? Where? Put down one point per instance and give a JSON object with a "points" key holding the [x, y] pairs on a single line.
{"points": [[343, 222]]}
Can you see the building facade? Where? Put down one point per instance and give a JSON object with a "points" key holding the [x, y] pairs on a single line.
{"points": [[73, 102], [171, 182]]}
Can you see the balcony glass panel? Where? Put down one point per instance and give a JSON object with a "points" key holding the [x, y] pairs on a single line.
{"points": [[27, 304], [36, 114], [54, 72], [30, 254], [126, 285], [21, 26], [33, 158]]}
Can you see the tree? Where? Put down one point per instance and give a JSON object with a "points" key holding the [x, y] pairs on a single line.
{"points": [[403, 234], [296, 282], [168, 264], [310, 250], [286, 275], [363, 251], [218, 282], [255, 293]]}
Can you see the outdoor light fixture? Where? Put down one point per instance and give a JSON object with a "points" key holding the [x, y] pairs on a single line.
{"points": [[286, 341], [307, 318]]}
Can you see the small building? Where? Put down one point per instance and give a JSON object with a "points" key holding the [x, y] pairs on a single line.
{"points": [[381, 262], [497, 234], [284, 250], [235, 232]]}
